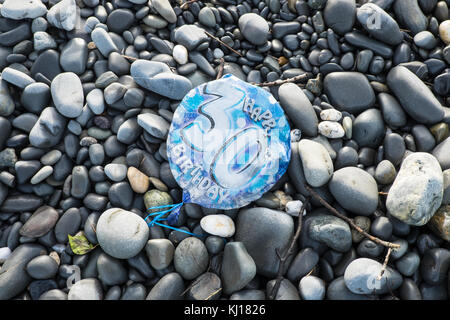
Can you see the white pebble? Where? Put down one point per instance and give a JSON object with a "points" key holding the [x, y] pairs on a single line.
{"points": [[180, 54], [4, 253], [218, 225], [331, 129], [331, 115], [293, 208]]}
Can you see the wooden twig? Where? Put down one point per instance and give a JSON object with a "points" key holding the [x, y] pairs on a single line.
{"points": [[220, 71], [350, 221], [223, 43], [187, 3], [213, 294], [286, 254], [304, 76], [129, 58], [383, 193], [386, 260]]}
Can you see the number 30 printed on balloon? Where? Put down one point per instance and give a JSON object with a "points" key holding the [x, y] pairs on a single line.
{"points": [[228, 143]]}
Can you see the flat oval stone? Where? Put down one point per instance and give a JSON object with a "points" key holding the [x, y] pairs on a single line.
{"points": [[422, 106], [160, 253], [191, 258], [67, 94], [410, 15], [23, 9], [316, 161], [349, 91], [121, 234], [298, 108], [74, 56], [218, 224], [379, 24], [417, 191], [86, 289], [361, 277], [368, 128], [331, 129], [339, 15], [254, 28], [330, 230], [40, 223], [355, 190]]}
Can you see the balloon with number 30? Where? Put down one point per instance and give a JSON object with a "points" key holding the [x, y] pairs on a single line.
{"points": [[229, 143]]}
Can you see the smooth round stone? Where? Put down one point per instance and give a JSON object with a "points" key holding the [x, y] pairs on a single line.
{"points": [[316, 162], [129, 131], [139, 182], [441, 152], [218, 224], [74, 56], [16, 77], [422, 106], [311, 288], [164, 8], [25, 121], [160, 252], [261, 230], [154, 124], [190, 36], [120, 20], [302, 264], [298, 108], [67, 94], [169, 287], [238, 267], [368, 128], [51, 157], [361, 277], [340, 15], [435, 265], [408, 264], [95, 101], [355, 190], [68, 224], [293, 208], [116, 172], [379, 24], [330, 115], [35, 97], [417, 191], [121, 234], [110, 271], [444, 31], [135, 291], [409, 15], [330, 230], [425, 39], [54, 294], [385, 172], [440, 222], [331, 129], [409, 290], [40, 223], [337, 290], [180, 54], [423, 138], [206, 17], [86, 289], [103, 41], [41, 175], [42, 267], [191, 258], [63, 15], [114, 92], [346, 157], [254, 28], [393, 114], [349, 91]]}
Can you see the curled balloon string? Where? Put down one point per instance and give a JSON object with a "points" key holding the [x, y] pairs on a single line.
{"points": [[174, 211]]}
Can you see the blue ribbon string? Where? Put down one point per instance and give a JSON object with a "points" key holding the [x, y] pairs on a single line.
{"points": [[159, 217]]}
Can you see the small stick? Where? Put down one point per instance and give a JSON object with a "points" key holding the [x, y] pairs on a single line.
{"points": [[280, 82], [350, 221], [220, 71], [187, 3], [386, 260], [129, 58], [223, 43], [383, 193], [287, 253], [213, 294]]}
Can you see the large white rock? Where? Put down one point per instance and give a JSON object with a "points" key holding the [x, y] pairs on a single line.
{"points": [[121, 234], [316, 161], [64, 15], [67, 94], [23, 9], [417, 191], [218, 224]]}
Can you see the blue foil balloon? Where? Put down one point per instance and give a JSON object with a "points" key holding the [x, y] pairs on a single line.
{"points": [[229, 143]]}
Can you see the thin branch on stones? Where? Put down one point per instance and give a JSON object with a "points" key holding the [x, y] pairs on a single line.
{"points": [[300, 77], [220, 71], [287, 253], [223, 43]]}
